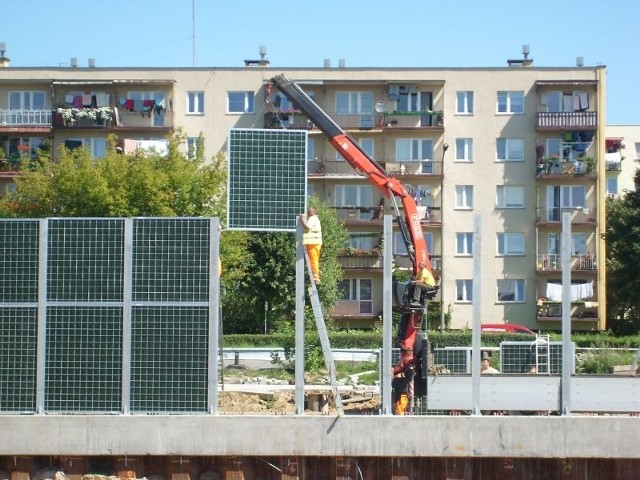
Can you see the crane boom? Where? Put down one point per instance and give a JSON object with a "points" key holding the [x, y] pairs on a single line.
{"points": [[410, 226], [349, 149]]}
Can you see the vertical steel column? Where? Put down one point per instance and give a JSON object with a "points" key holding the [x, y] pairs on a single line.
{"points": [[43, 250], [299, 341], [567, 352], [477, 302], [214, 313], [127, 285], [387, 301]]}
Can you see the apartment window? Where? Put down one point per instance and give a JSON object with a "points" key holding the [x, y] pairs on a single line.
{"points": [[358, 289], [612, 185], [464, 196], [353, 196], [399, 247], [510, 244], [27, 100], [510, 149], [510, 291], [354, 102], [195, 103], [464, 103], [572, 196], [97, 146], [240, 102], [365, 143], [510, 102], [464, 243], [364, 241], [578, 244], [509, 196], [16, 145], [414, 149], [637, 149], [464, 291], [464, 150], [192, 147]]}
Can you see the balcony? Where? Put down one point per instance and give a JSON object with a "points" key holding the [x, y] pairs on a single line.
{"points": [[25, 120], [559, 121], [579, 263], [578, 215], [365, 260], [412, 120], [403, 262], [111, 118], [423, 167], [554, 168], [580, 311], [356, 215]]}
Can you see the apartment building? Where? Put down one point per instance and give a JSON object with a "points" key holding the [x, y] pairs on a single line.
{"points": [[515, 146]]}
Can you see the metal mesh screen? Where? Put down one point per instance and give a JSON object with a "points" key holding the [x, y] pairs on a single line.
{"points": [[18, 347], [83, 359], [85, 260], [19, 261], [267, 179], [171, 260], [533, 357], [454, 359], [169, 359]]}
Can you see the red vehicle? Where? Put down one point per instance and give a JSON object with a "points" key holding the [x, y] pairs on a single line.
{"points": [[505, 328], [409, 224]]}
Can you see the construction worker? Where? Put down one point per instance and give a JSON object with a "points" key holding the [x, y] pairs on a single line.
{"points": [[424, 281], [312, 240]]}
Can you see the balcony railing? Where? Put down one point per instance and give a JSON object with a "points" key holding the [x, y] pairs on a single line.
{"points": [[557, 167], [579, 311], [423, 167], [25, 118], [402, 261], [613, 166], [578, 214], [565, 120], [551, 262], [359, 214], [360, 261]]}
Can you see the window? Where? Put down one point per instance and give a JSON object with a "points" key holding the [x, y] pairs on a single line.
{"points": [[353, 196], [464, 291], [464, 243], [510, 149], [17, 146], [311, 149], [509, 196], [572, 196], [464, 150], [26, 100], [464, 103], [195, 103], [510, 291], [192, 147], [96, 146], [464, 196], [354, 102], [578, 244], [364, 241], [612, 185], [240, 102], [414, 149], [510, 244], [510, 102], [365, 143], [358, 289], [399, 247], [637, 148]]}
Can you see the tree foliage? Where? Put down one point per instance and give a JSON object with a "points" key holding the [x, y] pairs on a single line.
{"points": [[622, 237]]}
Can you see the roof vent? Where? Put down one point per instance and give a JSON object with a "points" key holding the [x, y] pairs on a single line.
{"points": [[263, 62], [525, 61], [74, 62], [327, 63], [579, 61], [341, 63], [4, 61], [92, 63]]}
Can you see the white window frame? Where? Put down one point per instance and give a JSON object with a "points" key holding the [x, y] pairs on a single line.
{"points": [[244, 103], [414, 149], [192, 147], [361, 195], [464, 244], [349, 103], [464, 291], [399, 248], [464, 197], [195, 103], [27, 100], [506, 287], [464, 103], [509, 149], [573, 196], [364, 240], [578, 244], [97, 146], [464, 150], [510, 102], [510, 244], [509, 196], [358, 290], [612, 185]]}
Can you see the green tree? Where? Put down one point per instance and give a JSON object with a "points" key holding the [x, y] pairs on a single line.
{"points": [[622, 237]]}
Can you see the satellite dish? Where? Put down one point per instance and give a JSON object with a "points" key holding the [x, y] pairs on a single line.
{"points": [[379, 106]]}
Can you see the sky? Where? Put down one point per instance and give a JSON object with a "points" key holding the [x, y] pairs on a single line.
{"points": [[301, 33]]}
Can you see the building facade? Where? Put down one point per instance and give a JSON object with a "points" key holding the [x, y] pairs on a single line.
{"points": [[515, 146]]}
